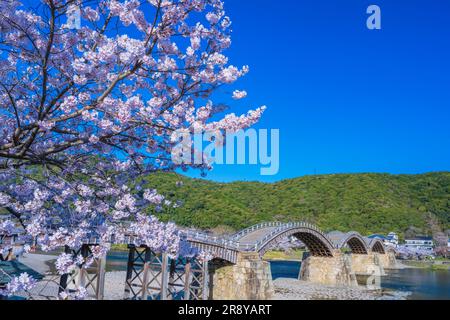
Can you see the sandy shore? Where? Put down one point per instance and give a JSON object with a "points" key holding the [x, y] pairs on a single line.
{"points": [[115, 285], [38, 262], [292, 289], [285, 289]]}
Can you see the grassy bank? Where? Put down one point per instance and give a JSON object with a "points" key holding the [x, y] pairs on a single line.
{"points": [[119, 247], [432, 265], [281, 255]]}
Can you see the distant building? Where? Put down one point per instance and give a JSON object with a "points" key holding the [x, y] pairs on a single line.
{"points": [[424, 243], [390, 240]]}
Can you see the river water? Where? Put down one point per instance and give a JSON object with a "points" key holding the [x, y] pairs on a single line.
{"points": [[424, 284]]}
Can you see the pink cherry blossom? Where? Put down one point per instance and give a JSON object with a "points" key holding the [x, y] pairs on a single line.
{"points": [[237, 94], [86, 112], [24, 282]]}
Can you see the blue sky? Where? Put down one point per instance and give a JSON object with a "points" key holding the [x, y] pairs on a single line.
{"points": [[345, 98]]}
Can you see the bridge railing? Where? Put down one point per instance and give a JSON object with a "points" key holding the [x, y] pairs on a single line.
{"points": [[233, 241], [286, 226], [253, 247], [255, 227], [272, 234], [214, 240]]}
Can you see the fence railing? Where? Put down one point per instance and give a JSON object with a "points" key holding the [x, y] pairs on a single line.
{"points": [[214, 240], [234, 243], [287, 226], [255, 227]]}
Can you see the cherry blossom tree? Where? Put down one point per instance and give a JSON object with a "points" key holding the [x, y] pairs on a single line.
{"points": [[85, 111], [120, 85], [441, 244], [406, 252]]}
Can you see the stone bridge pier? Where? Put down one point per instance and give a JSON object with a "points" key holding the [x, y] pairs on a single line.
{"points": [[332, 270], [368, 264], [388, 260], [341, 269], [249, 279]]}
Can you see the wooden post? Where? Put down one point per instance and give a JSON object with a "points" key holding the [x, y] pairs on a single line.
{"points": [[171, 277], [187, 280], [164, 276], [65, 277], [101, 278], [148, 256], [205, 281], [130, 264], [81, 282]]}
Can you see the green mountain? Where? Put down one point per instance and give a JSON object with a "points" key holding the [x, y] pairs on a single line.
{"points": [[368, 203]]}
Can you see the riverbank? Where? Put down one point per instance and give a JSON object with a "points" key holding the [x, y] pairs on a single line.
{"points": [[285, 289], [427, 264], [291, 255], [293, 289]]}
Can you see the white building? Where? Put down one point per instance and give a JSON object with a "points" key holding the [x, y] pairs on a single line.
{"points": [[424, 243], [391, 239]]}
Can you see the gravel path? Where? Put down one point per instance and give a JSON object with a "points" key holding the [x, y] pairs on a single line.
{"points": [[37, 262], [115, 285], [285, 289], [48, 287]]}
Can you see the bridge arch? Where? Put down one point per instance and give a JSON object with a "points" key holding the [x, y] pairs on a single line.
{"points": [[352, 239], [316, 241], [376, 245]]}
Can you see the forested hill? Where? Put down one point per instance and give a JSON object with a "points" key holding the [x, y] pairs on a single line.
{"points": [[368, 203]]}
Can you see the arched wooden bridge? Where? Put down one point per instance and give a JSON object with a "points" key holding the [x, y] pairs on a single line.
{"points": [[262, 237], [156, 276]]}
